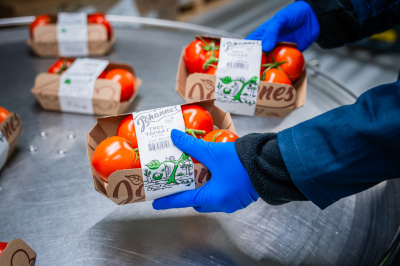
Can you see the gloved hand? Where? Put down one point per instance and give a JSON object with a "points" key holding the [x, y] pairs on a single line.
{"points": [[228, 190], [295, 23]]}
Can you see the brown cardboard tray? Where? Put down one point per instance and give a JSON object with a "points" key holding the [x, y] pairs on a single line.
{"points": [[126, 186]]}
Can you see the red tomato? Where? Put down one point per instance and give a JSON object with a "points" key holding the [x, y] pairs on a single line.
{"points": [[112, 154], [60, 66], [99, 18], [3, 246], [275, 75], [197, 53], [211, 70], [264, 61], [39, 21], [4, 113], [102, 74], [197, 119], [220, 135], [126, 129], [294, 65], [126, 79]]}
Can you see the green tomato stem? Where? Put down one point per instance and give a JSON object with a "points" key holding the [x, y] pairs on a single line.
{"points": [[217, 135], [194, 132], [271, 65]]}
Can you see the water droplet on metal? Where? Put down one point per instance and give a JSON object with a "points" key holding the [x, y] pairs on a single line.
{"points": [[32, 148], [71, 135], [43, 134], [62, 151]]}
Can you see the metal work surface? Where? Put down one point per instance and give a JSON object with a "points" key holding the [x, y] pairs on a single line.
{"points": [[47, 197]]}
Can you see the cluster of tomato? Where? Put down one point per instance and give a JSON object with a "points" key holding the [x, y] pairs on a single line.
{"points": [[4, 113], [121, 151], [122, 76], [95, 18], [284, 64]]}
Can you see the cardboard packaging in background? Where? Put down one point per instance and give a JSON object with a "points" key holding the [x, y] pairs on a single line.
{"points": [[126, 186], [14, 8], [18, 253], [11, 128], [273, 100], [106, 93], [164, 9], [44, 40]]}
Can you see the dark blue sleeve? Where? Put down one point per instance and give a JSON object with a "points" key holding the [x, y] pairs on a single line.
{"points": [[347, 21], [346, 150]]}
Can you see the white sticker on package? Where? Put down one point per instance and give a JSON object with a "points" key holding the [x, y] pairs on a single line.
{"points": [[166, 169], [4, 147], [77, 85], [238, 75], [72, 35]]}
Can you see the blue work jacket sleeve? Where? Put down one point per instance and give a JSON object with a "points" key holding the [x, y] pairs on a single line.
{"points": [[346, 150], [347, 21]]}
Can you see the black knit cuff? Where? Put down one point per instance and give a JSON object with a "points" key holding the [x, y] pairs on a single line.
{"points": [[260, 156], [338, 22]]}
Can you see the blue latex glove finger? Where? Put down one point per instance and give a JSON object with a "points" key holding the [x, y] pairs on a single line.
{"points": [[228, 190], [268, 33], [296, 23]]}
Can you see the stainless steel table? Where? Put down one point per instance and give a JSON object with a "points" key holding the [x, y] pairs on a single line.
{"points": [[47, 197]]}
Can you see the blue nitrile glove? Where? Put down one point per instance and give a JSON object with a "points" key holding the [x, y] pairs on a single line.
{"points": [[295, 23], [228, 190]]}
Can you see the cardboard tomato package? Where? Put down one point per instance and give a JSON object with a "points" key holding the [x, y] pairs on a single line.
{"points": [[71, 34], [275, 89], [112, 89], [130, 185]]}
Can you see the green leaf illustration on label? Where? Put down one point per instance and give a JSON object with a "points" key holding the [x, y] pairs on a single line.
{"points": [[67, 81], [184, 156], [253, 79], [153, 165], [226, 80], [238, 95]]}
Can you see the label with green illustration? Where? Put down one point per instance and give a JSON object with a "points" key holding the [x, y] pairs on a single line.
{"points": [[72, 35], [238, 75], [166, 170], [77, 85]]}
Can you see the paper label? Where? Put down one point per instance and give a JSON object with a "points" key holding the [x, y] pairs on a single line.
{"points": [[77, 85], [166, 169], [72, 35], [4, 147], [238, 75]]}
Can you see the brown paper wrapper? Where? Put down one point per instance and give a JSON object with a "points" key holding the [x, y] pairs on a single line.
{"points": [[106, 94], [44, 40]]}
